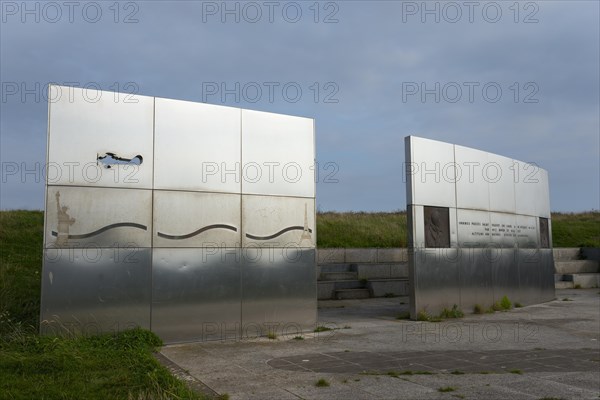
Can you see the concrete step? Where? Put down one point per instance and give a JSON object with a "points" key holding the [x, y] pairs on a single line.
{"points": [[326, 268], [388, 287], [566, 253], [586, 281], [563, 285], [381, 271], [345, 294], [338, 276], [576, 267]]}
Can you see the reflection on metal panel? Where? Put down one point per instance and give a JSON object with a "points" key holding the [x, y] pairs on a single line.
{"points": [[504, 230], [91, 290], [270, 221], [475, 278], [505, 274], [436, 280], [196, 294], [97, 217], [194, 219], [475, 171], [277, 154], [80, 134], [530, 270], [279, 291], [547, 275], [197, 147]]}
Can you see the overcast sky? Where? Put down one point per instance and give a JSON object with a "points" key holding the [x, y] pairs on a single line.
{"points": [[361, 68]]}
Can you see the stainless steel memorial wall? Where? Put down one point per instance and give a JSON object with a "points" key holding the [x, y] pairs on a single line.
{"points": [[193, 220], [479, 228]]}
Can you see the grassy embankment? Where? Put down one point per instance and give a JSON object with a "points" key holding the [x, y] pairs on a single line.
{"points": [[389, 229]]}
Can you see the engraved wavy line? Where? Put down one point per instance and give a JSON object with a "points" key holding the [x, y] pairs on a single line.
{"points": [[105, 228], [281, 232], [199, 231]]}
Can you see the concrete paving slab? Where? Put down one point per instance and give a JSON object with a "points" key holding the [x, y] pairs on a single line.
{"points": [[372, 355]]}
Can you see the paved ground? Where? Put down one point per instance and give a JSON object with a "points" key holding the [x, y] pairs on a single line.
{"points": [[547, 351]]}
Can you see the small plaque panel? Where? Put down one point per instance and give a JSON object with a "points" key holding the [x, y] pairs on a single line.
{"points": [[544, 233], [437, 227]]}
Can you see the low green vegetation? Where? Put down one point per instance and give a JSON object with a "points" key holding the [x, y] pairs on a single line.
{"points": [[271, 336], [446, 313], [477, 309], [361, 229], [403, 315], [111, 366], [321, 329], [576, 229], [322, 383], [516, 371], [446, 389]]}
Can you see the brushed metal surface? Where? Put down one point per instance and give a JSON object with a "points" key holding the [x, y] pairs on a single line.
{"points": [[196, 294], [474, 170], [97, 217], [85, 124], [90, 291], [197, 147], [273, 221], [278, 154], [279, 292], [433, 173], [505, 273], [547, 275], [434, 274], [195, 219], [475, 278], [530, 280]]}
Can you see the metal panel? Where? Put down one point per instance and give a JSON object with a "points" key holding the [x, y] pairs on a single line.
{"points": [[502, 185], [546, 268], [531, 190], [196, 294], [473, 228], [86, 124], [433, 173], [435, 279], [279, 292], [98, 217], [475, 278], [193, 219], [505, 273], [278, 154], [197, 147], [90, 291], [472, 187], [530, 291], [270, 221]]}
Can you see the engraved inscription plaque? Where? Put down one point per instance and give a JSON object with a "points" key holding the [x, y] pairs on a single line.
{"points": [[437, 227]]}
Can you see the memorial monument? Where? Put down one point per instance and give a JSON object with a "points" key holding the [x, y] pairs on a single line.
{"points": [[193, 220], [479, 228]]}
